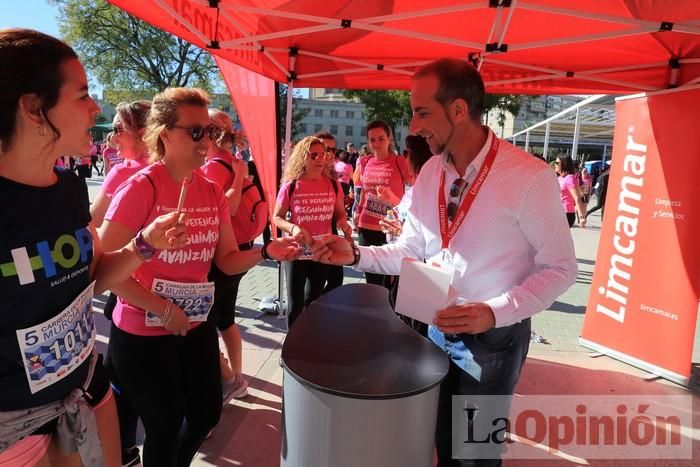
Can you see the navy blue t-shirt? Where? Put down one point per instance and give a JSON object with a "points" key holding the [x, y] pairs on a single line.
{"points": [[45, 254]]}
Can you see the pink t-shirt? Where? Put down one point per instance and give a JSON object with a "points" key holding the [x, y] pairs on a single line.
{"points": [[134, 206], [113, 156], [121, 173], [312, 204], [390, 173], [344, 171], [217, 172], [567, 200]]}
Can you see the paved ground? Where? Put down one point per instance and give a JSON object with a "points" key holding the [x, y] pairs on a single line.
{"points": [[249, 432]]}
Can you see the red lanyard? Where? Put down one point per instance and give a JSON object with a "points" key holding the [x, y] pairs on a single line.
{"points": [[447, 232]]}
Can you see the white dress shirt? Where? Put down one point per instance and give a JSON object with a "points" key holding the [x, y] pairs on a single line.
{"points": [[514, 249]]}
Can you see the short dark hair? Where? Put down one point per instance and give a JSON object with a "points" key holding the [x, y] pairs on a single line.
{"points": [[323, 134], [419, 152], [458, 80], [30, 63], [380, 124]]}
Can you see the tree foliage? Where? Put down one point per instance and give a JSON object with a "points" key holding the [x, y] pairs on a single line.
{"points": [[130, 58], [394, 107], [298, 113], [503, 103]]}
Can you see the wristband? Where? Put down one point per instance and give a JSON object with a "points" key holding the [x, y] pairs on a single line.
{"points": [[356, 254], [264, 254], [142, 249]]}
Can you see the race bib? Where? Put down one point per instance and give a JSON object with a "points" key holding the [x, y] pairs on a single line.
{"points": [[195, 299], [53, 349], [375, 206]]}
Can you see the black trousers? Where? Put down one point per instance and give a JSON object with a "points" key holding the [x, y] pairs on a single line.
{"points": [[369, 237], [305, 281], [501, 353], [175, 385], [223, 310], [599, 204]]}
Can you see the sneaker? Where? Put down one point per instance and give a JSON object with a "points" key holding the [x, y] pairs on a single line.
{"points": [[238, 389], [131, 457]]}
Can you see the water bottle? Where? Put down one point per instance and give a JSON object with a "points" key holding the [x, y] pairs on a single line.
{"points": [[390, 216]]}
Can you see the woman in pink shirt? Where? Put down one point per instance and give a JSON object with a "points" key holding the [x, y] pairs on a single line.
{"points": [[314, 199], [129, 127], [56, 406], [162, 347], [229, 172], [384, 170], [571, 195]]}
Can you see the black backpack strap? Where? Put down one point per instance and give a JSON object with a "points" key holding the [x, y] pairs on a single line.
{"points": [[225, 164], [290, 190]]}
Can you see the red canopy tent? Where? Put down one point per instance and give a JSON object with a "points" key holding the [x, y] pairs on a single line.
{"points": [[534, 47], [530, 47]]}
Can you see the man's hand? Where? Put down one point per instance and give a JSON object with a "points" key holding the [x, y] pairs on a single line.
{"points": [[469, 318], [331, 249], [167, 231]]}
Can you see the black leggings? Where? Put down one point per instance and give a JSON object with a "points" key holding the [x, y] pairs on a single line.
{"points": [[175, 385], [305, 281], [571, 218], [223, 311], [369, 237]]}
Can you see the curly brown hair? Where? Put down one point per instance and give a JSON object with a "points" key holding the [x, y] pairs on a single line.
{"points": [[295, 165]]}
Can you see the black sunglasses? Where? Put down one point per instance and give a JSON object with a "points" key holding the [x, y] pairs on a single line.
{"points": [[456, 190], [315, 155], [197, 132]]}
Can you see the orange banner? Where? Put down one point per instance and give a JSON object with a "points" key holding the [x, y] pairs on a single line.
{"points": [[643, 302]]}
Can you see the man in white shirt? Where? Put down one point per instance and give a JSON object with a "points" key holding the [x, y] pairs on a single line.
{"points": [[490, 211]]}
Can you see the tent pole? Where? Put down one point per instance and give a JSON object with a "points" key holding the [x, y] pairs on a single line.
{"points": [[527, 141], [282, 311], [577, 130], [545, 150]]}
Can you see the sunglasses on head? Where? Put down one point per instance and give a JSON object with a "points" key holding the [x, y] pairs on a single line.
{"points": [[197, 132], [316, 154], [456, 190]]}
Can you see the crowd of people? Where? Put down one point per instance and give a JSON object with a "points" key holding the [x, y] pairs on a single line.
{"points": [[170, 236]]}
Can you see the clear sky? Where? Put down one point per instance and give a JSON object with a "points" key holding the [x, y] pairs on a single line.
{"points": [[34, 14], [39, 15]]}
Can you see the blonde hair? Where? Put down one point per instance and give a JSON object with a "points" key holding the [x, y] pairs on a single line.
{"points": [[224, 126], [296, 164], [163, 115]]}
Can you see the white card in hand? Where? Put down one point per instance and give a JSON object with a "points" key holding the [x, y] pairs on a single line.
{"points": [[423, 289]]}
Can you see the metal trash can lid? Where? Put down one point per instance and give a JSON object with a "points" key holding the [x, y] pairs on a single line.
{"points": [[350, 343]]}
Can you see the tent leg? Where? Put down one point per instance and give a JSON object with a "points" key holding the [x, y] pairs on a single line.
{"points": [[281, 289]]}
